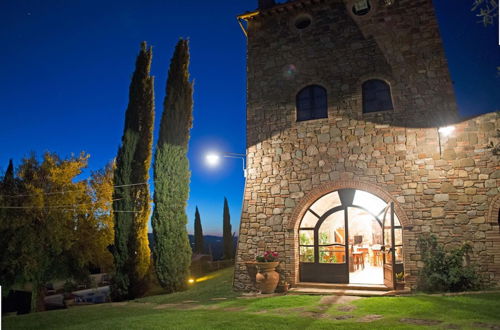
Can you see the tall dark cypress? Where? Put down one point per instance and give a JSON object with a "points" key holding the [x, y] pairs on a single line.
{"points": [[131, 194], [9, 174], [227, 236], [172, 252], [7, 227], [198, 233]]}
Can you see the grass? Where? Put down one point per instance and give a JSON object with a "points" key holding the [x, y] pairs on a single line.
{"points": [[214, 285], [196, 308]]}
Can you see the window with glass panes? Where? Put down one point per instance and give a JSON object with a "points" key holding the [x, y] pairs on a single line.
{"points": [[312, 103], [376, 96]]}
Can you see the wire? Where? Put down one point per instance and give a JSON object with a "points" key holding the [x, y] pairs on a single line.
{"points": [[114, 211], [70, 191], [53, 207]]}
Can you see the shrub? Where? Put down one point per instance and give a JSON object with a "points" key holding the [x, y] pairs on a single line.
{"points": [[446, 271], [69, 286]]}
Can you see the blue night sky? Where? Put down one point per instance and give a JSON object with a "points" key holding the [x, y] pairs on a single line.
{"points": [[65, 69]]}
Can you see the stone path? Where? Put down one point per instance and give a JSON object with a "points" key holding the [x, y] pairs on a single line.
{"points": [[178, 306], [329, 300], [420, 321], [233, 309], [346, 308], [486, 325], [318, 313], [370, 318], [342, 304]]}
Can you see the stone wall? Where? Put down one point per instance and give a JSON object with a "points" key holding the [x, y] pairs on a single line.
{"points": [[399, 44], [452, 192], [445, 185]]}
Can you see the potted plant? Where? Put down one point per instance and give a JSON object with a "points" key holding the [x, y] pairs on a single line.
{"points": [[267, 278], [400, 281], [283, 284]]}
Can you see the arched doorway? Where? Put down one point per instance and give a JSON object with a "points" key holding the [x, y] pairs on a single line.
{"points": [[350, 236]]}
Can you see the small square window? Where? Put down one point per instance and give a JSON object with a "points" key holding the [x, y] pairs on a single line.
{"points": [[361, 7]]}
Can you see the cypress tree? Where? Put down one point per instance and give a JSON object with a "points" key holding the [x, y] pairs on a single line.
{"points": [[227, 236], [198, 233], [7, 230], [172, 252], [131, 193], [9, 174]]}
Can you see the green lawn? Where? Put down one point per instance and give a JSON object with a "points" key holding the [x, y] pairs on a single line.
{"points": [[202, 307]]}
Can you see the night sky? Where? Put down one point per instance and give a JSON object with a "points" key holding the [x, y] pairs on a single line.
{"points": [[65, 69]]}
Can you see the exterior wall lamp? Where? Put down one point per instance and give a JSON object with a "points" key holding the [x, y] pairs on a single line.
{"points": [[213, 159]]}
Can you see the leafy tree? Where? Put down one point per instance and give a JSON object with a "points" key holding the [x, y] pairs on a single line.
{"points": [[97, 231], [131, 194], [198, 233], [227, 236], [53, 226], [48, 233], [51, 223], [486, 10], [172, 252]]}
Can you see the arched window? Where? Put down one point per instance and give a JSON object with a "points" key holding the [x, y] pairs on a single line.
{"points": [[311, 103], [376, 96]]}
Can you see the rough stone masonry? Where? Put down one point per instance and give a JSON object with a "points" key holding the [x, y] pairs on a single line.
{"points": [[446, 185]]}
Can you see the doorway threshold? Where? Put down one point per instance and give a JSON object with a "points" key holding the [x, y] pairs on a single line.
{"points": [[364, 290]]}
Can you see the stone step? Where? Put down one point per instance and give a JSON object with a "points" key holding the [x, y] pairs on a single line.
{"points": [[340, 292], [335, 286], [364, 290]]}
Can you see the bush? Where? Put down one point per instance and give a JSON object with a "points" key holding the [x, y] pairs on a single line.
{"points": [[69, 286], [446, 271]]}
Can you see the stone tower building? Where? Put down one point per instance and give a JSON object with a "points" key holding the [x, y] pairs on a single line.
{"points": [[355, 148]]}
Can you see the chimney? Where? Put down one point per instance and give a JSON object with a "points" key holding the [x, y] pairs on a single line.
{"points": [[264, 4]]}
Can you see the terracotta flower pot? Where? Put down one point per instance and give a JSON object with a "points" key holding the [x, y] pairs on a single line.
{"points": [[282, 288], [267, 278], [398, 285]]}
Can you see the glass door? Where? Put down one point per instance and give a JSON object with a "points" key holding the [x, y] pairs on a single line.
{"points": [[323, 249], [389, 248], [323, 242]]}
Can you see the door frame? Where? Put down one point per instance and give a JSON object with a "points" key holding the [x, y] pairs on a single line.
{"points": [[339, 272], [303, 203]]}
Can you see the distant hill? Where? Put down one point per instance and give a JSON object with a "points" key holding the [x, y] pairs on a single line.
{"points": [[211, 243]]}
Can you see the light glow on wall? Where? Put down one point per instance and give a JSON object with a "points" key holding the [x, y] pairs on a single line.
{"points": [[446, 130]]}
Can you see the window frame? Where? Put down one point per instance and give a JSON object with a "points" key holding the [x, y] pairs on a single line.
{"points": [[314, 110], [363, 96], [373, 9]]}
